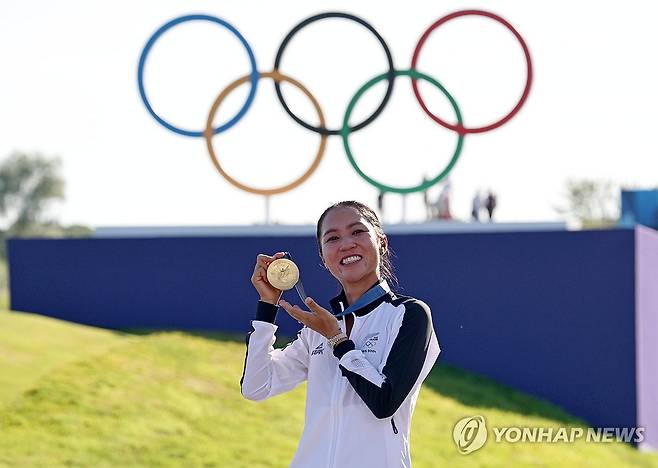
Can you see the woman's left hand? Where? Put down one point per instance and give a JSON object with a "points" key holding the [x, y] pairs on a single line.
{"points": [[318, 319]]}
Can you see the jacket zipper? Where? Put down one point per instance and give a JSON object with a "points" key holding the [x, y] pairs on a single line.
{"points": [[335, 414], [334, 418], [395, 429]]}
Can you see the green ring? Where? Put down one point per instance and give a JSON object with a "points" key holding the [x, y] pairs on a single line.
{"points": [[345, 132]]}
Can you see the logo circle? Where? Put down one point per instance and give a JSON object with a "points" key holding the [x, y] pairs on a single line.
{"points": [[460, 128], [208, 134], [390, 75], [147, 48], [470, 434], [345, 132]]}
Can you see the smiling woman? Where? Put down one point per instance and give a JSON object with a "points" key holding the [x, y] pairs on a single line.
{"points": [[364, 225], [364, 362]]}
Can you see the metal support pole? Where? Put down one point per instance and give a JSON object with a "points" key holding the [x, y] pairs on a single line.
{"points": [[267, 209]]}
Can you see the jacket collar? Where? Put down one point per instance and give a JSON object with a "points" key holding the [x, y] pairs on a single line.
{"points": [[339, 303]]}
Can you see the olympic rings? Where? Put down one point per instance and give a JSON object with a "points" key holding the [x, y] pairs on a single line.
{"points": [[208, 133], [322, 130], [413, 74], [526, 90], [390, 75], [156, 36]]}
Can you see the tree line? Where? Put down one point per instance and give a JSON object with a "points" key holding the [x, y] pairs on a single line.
{"points": [[29, 185]]}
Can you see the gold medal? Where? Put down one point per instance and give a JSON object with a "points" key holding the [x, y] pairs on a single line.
{"points": [[283, 274]]}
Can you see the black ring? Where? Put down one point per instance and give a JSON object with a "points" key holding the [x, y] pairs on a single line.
{"points": [[389, 58]]}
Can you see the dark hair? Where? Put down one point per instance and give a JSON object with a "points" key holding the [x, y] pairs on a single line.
{"points": [[386, 267]]}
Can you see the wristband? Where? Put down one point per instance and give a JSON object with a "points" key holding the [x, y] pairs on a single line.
{"points": [[340, 340], [339, 337]]}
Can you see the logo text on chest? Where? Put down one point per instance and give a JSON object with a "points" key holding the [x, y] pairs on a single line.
{"points": [[318, 350], [371, 343]]}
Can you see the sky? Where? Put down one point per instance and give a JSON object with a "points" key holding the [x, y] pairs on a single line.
{"points": [[68, 89]]}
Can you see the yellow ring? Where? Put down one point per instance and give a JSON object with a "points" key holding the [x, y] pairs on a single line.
{"points": [[208, 134]]}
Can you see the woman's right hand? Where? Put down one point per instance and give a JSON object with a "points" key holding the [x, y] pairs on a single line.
{"points": [[267, 292]]}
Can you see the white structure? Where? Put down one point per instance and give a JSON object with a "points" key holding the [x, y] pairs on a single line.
{"points": [[309, 229]]}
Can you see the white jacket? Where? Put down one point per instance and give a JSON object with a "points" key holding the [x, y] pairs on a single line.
{"points": [[361, 397]]}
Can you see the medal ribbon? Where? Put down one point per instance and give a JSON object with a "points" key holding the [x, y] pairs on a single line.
{"points": [[370, 296], [299, 287]]}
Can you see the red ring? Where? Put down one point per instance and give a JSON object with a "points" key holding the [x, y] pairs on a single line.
{"points": [[461, 129]]}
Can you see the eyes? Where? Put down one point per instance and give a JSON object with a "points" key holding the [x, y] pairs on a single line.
{"points": [[356, 232]]}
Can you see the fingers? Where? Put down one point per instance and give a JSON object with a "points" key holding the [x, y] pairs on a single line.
{"points": [[267, 292], [315, 308], [293, 310], [262, 262], [322, 321], [296, 312], [265, 260]]}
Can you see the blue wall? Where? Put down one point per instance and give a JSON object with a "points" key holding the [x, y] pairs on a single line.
{"points": [[550, 313]]}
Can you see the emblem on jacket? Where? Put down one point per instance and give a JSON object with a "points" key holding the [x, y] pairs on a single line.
{"points": [[318, 350], [371, 343]]}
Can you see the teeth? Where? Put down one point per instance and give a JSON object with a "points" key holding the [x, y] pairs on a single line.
{"points": [[352, 259]]}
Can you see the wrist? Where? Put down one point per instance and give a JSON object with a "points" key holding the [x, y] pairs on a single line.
{"points": [[343, 348], [274, 300], [266, 312], [337, 339]]}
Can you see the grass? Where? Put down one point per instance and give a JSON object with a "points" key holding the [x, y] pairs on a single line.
{"points": [[31, 347], [4, 283], [78, 396]]}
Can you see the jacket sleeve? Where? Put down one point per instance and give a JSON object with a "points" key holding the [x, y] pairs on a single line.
{"points": [[268, 371], [413, 348]]}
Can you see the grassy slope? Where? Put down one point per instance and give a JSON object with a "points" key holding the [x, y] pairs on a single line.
{"points": [[76, 396], [31, 346]]}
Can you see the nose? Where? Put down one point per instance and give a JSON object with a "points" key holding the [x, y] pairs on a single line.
{"points": [[347, 245]]}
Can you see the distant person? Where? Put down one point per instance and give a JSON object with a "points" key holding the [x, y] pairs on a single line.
{"points": [[427, 205], [490, 204], [426, 202], [443, 203], [476, 206], [380, 204]]}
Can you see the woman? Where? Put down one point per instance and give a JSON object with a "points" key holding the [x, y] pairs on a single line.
{"points": [[364, 362]]}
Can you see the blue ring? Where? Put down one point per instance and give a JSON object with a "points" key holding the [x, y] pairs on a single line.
{"points": [[147, 49]]}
